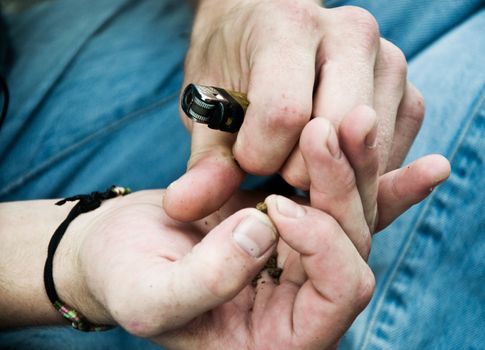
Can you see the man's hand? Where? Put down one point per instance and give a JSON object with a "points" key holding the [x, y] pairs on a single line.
{"points": [[295, 60], [336, 188], [189, 285]]}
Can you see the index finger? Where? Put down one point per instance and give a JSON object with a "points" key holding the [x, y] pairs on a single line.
{"points": [[347, 73], [280, 95], [339, 283]]}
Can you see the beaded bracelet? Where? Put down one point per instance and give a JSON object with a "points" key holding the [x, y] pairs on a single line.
{"points": [[86, 203]]}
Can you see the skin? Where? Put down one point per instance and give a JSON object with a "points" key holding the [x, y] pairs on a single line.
{"points": [[296, 61], [129, 263], [134, 266], [188, 285]]}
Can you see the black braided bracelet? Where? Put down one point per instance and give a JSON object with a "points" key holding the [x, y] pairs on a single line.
{"points": [[87, 202]]}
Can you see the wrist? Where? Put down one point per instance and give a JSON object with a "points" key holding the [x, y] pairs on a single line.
{"points": [[70, 277], [78, 304], [26, 228]]}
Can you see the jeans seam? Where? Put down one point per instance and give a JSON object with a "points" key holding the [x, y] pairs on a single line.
{"points": [[406, 246], [115, 125]]}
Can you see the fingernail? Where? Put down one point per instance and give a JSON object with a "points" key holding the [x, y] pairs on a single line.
{"points": [[254, 236], [289, 208], [332, 143], [172, 185], [371, 137]]}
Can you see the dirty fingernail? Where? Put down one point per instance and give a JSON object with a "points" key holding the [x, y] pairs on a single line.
{"points": [[254, 236]]}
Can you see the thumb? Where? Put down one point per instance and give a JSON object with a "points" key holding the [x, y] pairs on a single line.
{"points": [[215, 271], [212, 177]]}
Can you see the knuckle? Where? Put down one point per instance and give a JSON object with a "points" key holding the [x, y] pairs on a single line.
{"points": [[366, 242], [323, 233], [347, 181], [343, 187], [417, 106], [365, 287], [364, 25], [329, 227], [369, 168], [300, 16], [393, 59], [218, 282], [287, 116], [396, 191], [140, 322], [213, 285], [256, 161], [138, 326], [420, 103], [411, 112], [219, 152]]}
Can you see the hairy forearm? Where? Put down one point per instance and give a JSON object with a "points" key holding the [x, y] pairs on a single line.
{"points": [[25, 230]]}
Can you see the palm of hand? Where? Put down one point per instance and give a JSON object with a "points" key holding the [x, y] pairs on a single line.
{"points": [[138, 265]]}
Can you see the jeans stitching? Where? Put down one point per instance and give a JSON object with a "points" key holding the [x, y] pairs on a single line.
{"points": [[407, 244]]}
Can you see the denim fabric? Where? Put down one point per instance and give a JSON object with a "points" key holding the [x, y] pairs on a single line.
{"points": [[95, 88], [414, 25], [67, 338], [94, 97], [94, 102], [429, 264]]}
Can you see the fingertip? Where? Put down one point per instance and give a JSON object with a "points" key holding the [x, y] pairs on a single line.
{"points": [[284, 206], [255, 234], [360, 125], [366, 287], [437, 169], [370, 140], [434, 168], [218, 267], [404, 187], [442, 167], [295, 172], [203, 189], [178, 205], [364, 111], [317, 135]]}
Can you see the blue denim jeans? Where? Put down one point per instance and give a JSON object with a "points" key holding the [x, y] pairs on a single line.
{"points": [[95, 88], [430, 264]]}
